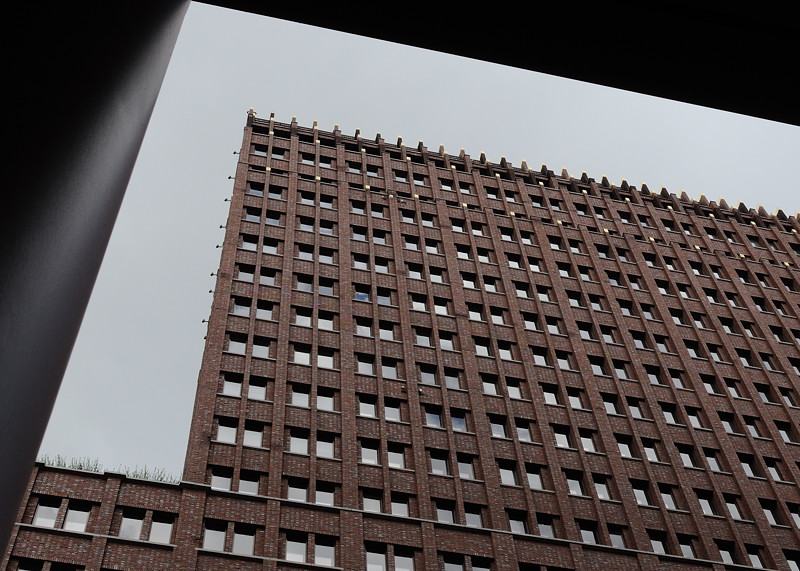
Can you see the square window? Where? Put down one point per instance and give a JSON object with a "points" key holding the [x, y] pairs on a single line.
{"points": [[508, 475], [439, 463], [370, 453], [214, 535], [46, 512]]}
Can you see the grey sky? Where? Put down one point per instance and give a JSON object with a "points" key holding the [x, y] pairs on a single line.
{"points": [[128, 392]]}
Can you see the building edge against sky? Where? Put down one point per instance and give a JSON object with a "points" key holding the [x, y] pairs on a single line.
{"points": [[421, 360]]}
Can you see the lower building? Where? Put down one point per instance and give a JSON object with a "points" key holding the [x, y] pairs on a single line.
{"points": [[418, 360]]}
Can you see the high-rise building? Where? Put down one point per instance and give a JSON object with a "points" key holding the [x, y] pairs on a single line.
{"points": [[418, 360]]}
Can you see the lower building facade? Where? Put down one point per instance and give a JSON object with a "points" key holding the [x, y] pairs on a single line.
{"points": [[418, 360]]}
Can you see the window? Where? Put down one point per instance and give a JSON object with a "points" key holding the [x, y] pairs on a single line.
{"points": [[257, 389], [640, 340], [498, 426], [131, 525], [473, 516], [389, 368], [773, 468], [214, 535], [439, 463], [46, 512], [376, 559], [326, 399], [523, 430], [326, 445], [641, 492], [458, 419], [298, 441], [244, 539], [301, 354], [544, 293], [325, 551], [384, 296], [253, 433], [531, 321], [517, 521], [786, 431], [447, 341], [554, 325], [616, 534], [367, 406], [419, 302], [635, 405], [237, 343], [695, 417], [365, 364], [658, 541], [540, 356], [754, 555], [546, 524], [588, 531], [161, 527], [498, 315], [248, 484], [587, 440], [752, 426], [445, 511], [396, 456], [427, 374], [508, 473], [369, 452], [562, 436], [626, 307], [452, 378], [391, 410], [770, 508], [226, 430], [574, 482], [727, 553], [686, 453], [371, 500], [575, 299], [610, 403], [466, 469], [650, 450], [598, 365], [534, 475], [482, 347], [411, 242], [433, 416], [601, 486], [505, 350], [625, 445]]}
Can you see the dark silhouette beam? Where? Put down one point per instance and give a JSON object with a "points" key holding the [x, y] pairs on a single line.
{"points": [[735, 58], [83, 82]]}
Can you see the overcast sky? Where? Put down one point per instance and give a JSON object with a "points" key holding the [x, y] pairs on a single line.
{"points": [[128, 392]]}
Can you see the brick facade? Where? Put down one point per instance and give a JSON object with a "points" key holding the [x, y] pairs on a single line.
{"points": [[421, 360]]}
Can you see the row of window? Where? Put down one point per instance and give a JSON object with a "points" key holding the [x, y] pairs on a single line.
{"points": [[397, 454], [393, 410], [360, 207], [73, 515], [241, 539], [392, 368], [555, 202], [439, 274]]}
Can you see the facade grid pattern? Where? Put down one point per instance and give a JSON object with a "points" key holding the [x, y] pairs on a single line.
{"points": [[418, 360]]}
